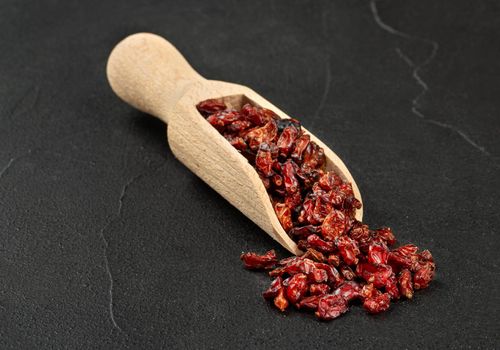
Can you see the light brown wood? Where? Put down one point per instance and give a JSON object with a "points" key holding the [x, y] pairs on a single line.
{"points": [[148, 72]]}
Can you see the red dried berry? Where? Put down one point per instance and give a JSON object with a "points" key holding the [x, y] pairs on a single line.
{"points": [[319, 289], [333, 260], [404, 257], [284, 215], [274, 288], [423, 275], [310, 302], [238, 126], [280, 301], [277, 272], [391, 287], [347, 272], [369, 291], [329, 181], [360, 233], [264, 160], [317, 243], [313, 157], [277, 181], [221, 119], [293, 200], [377, 304], [334, 278], [211, 106], [254, 261], [376, 274], [318, 276], [266, 133], [386, 234], [299, 146], [291, 182], [405, 283], [317, 209], [308, 177], [349, 291], [348, 249], [335, 198], [330, 307], [286, 140], [256, 115], [297, 288], [314, 255], [289, 260], [294, 266], [334, 225], [425, 255], [378, 253], [306, 213], [321, 209], [265, 181], [237, 142], [303, 232]]}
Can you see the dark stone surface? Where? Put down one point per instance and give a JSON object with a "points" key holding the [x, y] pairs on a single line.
{"points": [[97, 213]]}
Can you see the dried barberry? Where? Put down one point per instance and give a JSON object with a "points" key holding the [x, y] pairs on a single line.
{"points": [[211, 106], [291, 183], [425, 255], [280, 301], [313, 157], [264, 160], [349, 290], [293, 200], [317, 209], [369, 291], [221, 119], [378, 253], [255, 262], [297, 288], [334, 278], [360, 233], [423, 275], [286, 140], [376, 274], [405, 284], [333, 260], [348, 249], [314, 255], [284, 215], [347, 272], [274, 288], [377, 304], [330, 307], [404, 257], [299, 147], [334, 225], [391, 287], [386, 234], [303, 232], [266, 133], [314, 241], [310, 302], [319, 289], [318, 276]]}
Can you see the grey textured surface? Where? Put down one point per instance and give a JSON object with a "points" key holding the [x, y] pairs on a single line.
{"points": [[106, 241]]}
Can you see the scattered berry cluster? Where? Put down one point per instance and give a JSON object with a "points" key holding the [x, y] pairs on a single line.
{"points": [[344, 260]]}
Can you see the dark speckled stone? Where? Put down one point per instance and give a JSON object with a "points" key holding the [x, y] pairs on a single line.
{"points": [[107, 241]]}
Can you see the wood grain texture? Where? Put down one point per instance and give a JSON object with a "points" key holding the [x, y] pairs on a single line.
{"points": [[147, 72]]}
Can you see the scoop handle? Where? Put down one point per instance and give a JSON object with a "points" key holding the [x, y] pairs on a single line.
{"points": [[149, 73]]}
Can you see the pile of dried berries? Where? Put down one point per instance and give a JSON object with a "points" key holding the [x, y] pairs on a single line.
{"points": [[344, 261]]}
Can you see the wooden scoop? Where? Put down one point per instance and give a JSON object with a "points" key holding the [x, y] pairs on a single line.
{"points": [[148, 72]]}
